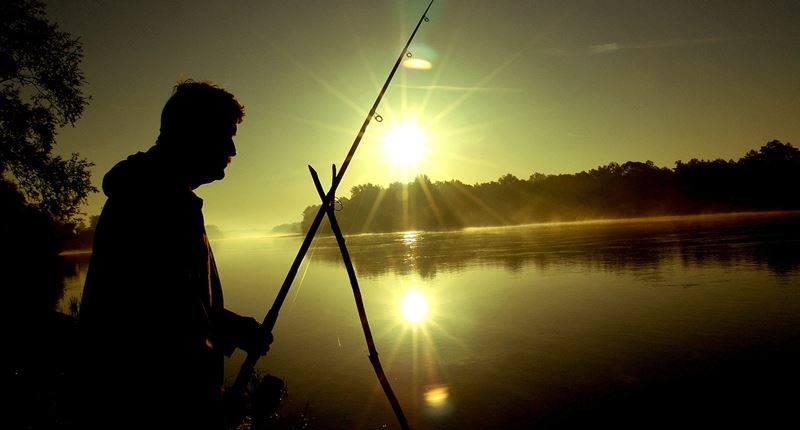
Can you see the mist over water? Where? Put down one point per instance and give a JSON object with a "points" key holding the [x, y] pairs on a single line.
{"points": [[670, 320]]}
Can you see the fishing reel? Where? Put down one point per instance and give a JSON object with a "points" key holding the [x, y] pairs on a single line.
{"points": [[266, 400], [257, 407]]}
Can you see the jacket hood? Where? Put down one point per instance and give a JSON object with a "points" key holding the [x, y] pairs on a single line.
{"points": [[142, 174]]}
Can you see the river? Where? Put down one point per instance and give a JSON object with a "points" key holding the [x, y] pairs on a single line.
{"points": [[635, 323]]}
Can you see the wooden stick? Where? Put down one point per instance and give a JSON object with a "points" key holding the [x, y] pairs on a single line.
{"points": [[362, 313]]}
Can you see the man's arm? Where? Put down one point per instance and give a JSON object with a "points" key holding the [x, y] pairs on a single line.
{"points": [[231, 331]]}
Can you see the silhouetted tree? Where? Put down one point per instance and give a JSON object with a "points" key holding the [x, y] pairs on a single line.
{"points": [[773, 175], [763, 179], [711, 185], [40, 91], [40, 196]]}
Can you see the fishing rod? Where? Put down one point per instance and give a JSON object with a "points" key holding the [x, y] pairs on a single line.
{"points": [[246, 370]]}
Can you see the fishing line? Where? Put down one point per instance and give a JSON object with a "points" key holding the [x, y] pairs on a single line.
{"points": [[303, 276]]}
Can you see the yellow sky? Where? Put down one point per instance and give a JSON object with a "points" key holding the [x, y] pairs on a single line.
{"points": [[513, 86]]}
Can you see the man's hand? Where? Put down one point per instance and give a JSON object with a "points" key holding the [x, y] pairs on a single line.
{"points": [[258, 341]]}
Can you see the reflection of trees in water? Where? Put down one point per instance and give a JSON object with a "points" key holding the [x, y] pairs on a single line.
{"points": [[764, 240], [769, 243], [74, 273]]}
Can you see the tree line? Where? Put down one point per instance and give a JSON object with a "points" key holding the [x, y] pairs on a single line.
{"points": [[763, 179]]}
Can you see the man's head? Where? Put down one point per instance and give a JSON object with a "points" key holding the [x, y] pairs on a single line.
{"points": [[197, 128]]}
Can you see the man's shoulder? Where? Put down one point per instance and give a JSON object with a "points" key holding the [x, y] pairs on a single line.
{"points": [[145, 178]]}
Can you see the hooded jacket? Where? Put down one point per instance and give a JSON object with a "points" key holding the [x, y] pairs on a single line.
{"points": [[152, 313]]}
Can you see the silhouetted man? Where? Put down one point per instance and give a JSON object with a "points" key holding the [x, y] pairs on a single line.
{"points": [[155, 329]]}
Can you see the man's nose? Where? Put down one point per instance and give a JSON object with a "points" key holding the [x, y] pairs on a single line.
{"points": [[230, 148]]}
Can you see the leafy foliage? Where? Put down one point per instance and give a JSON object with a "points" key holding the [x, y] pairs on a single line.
{"points": [[40, 91], [763, 179]]}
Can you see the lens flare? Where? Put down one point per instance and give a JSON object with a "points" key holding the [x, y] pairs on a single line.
{"points": [[417, 64], [436, 396]]}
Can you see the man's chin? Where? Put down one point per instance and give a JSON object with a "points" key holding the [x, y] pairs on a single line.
{"points": [[217, 176], [211, 177]]}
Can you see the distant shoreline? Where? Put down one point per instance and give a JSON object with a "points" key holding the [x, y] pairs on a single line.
{"points": [[761, 180], [655, 218]]}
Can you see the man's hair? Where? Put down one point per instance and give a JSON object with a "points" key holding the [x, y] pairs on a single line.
{"points": [[194, 106]]}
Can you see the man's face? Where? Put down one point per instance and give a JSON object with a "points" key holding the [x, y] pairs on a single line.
{"points": [[215, 150]]}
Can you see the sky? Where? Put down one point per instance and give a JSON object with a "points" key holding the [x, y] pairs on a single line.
{"points": [[514, 86]]}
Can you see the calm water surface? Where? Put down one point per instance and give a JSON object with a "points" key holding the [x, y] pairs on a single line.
{"points": [[671, 321]]}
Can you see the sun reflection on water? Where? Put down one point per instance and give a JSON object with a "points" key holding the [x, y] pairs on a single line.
{"points": [[409, 238], [414, 307]]}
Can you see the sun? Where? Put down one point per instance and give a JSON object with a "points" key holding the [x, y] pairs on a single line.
{"points": [[404, 144]]}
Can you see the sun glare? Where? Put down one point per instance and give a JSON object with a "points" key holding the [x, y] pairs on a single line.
{"points": [[404, 144], [415, 307]]}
